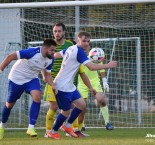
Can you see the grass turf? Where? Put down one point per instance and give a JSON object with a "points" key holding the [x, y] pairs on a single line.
{"points": [[119, 136]]}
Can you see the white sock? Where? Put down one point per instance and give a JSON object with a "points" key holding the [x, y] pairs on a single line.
{"points": [[68, 125], [53, 131], [31, 126], [2, 125]]}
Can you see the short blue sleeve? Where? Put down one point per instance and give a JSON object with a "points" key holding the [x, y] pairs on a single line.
{"points": [[63, 51], [50, 66], [81, 55], [28, 53]]}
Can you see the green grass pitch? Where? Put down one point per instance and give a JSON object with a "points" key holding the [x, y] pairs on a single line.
{"points": [[119, 136]]}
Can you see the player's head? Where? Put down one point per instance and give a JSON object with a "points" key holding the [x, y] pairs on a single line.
{"points": [[84, 40], [59, 31], [48, 48]]}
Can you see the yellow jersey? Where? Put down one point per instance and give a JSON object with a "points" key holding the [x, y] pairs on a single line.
{"points": [[93, 76]]}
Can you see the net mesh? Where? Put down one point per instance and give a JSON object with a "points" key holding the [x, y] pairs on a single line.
{"points": [[105, 21]]}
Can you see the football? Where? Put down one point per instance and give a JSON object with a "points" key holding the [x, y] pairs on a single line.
{"points": [[96, 55]]}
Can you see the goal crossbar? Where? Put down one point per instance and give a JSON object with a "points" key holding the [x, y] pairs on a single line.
{"points": [[70, 3], [93, 40]]}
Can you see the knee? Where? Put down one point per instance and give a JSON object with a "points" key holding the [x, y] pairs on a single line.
{"points": [[9, 105], [65, 113], [83, 111], [37, 98], [101, 103], [53, 106], [83, 107]]}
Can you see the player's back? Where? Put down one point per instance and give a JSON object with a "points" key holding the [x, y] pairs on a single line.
{"points": [[69, 68], [72, 58]]}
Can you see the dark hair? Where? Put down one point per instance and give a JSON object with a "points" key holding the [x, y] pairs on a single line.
{"points": [[83, 33], [60, 24], [48, 42]]}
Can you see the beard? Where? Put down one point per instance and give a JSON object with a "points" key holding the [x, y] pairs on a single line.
{"points": [[49, 56], [59, 39]]}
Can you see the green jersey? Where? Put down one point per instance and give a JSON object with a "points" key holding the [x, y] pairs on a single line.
{"points": [[57, 63]]}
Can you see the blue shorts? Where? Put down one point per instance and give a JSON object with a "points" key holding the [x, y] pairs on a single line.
{"points": [[65, 99], [15, 91]]}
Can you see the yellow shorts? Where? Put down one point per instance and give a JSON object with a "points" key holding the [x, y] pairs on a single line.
{"points": [[49, 94], [84, 91]]}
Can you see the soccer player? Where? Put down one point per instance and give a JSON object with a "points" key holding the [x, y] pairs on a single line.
{"points": [[59, 36], [59, 30], [24, 77], [99, 97], [67, 92]]}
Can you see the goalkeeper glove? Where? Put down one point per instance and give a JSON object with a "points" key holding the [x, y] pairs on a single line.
{"points": [[105, 84]]}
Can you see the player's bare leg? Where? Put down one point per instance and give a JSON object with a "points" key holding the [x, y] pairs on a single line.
{"points": [[104, 109]]}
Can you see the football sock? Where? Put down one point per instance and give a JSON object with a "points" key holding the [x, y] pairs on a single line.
{"points": [[73, 115], [75, 124], [80, 126], [31, 126], [105, 114], [2, 125], [34, 112], [5, 114], [58, 122], [50, 117]]}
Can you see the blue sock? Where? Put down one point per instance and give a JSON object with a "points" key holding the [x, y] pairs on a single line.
{"points": [[59, 121], [74, 114], [5, 114], [34, 112]]}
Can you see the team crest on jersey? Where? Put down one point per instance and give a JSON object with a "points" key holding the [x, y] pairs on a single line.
{"points": [[49, 96], [36, 61]]}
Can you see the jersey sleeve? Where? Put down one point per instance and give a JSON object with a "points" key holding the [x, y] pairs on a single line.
{"points": [[82, 57], [27, 53], [81, 69], [48, 68], [62, 52]]}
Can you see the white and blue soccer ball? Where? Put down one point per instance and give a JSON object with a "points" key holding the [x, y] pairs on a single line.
{"points": [[96, 55]]}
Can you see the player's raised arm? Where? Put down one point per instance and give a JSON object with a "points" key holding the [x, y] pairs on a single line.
{"points": [[57, 55], [93, 66], [7, 60]]}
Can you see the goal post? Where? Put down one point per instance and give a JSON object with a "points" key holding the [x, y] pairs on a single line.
{"points": [[100, 42], [125, 29]]}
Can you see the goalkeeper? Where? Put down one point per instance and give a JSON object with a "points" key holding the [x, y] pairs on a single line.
{"points": [[99, 97]]}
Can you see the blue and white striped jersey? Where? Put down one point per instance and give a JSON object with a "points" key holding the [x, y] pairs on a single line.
{"points": [[30, 62]]}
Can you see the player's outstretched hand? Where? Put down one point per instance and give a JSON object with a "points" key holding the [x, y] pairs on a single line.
{"points": [[111, 64], [54, 88], [93, 91]]}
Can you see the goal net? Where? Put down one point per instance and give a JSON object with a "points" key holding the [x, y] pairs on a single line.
{"points": [[126, 32]]}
